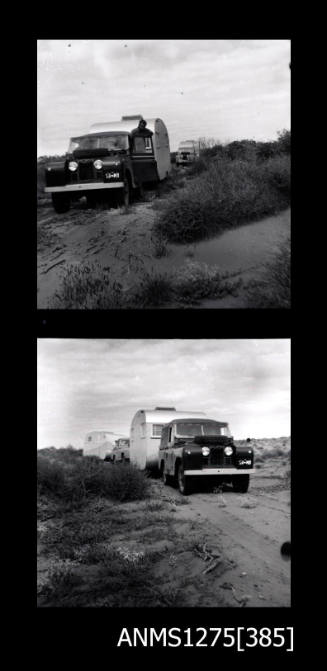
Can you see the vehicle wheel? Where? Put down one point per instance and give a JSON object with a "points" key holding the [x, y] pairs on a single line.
{"points": [[139, 192], [166, 479], [241, 483], [183, 481], [61, 202], [124, 197]]}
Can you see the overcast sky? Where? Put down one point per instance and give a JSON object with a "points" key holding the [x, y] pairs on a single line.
{"points": [[225, 89], [100, 384]]}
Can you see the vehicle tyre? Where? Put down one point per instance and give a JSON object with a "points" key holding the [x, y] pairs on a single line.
{"points": [[166, 479], [139, 192], [184, 484], [61, 202], [241, 483], [124, 197]]}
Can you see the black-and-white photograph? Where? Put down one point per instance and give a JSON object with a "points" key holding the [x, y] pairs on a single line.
{"points": [[164, 471], [163, 174]]}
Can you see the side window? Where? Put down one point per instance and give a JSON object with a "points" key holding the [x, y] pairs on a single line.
{"points": [[169, 434], [156, 430], [148, 144], [140, 144]]}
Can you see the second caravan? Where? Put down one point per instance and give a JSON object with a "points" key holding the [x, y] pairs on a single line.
{"points": [[145, 434]]}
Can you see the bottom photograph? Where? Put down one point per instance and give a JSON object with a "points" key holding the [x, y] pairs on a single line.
{"points": [[163, 473]]}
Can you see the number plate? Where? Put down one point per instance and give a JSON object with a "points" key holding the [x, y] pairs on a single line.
{"points": [[112, 175]]}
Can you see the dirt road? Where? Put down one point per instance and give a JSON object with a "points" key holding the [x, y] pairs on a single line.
{"points": [[248, 530], [124, 243], [210, 549]]}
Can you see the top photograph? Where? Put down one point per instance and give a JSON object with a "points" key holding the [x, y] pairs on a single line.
{"points": [[163, 174]]}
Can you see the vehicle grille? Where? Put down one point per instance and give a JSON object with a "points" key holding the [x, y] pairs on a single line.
{"points": [[218, 458], [86, 170]]}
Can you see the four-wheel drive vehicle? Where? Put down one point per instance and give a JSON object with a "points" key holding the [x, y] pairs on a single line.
{"points": [[196, 448], [187, 152], [121, 450], [114, 159]]}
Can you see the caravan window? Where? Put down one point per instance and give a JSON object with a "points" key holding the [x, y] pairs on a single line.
{"points": [[156, 430], [89, 438]]}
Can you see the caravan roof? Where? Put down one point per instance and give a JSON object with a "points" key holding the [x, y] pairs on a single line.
{"points": [[125, 124], [165, 415]]}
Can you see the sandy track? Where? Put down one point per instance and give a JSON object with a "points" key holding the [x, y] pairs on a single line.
{"points": [[249, 530], [123, 242]]}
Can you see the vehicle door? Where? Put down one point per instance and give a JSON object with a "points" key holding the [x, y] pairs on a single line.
{"points": [[144, 163], [170, 451]]}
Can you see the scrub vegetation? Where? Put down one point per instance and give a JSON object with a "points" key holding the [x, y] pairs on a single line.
{"points": [[92, 287], [236, 183], [274, 288], [102, 531], [109, 536], [92, 259]]}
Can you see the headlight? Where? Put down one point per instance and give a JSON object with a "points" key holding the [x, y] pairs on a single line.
{"points": [[98, 164], [205, 451], [72, 165], [228, 451]]}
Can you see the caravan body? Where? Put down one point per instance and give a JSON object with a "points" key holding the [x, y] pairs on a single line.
{"points": [[146, 430], [188, 151], [99, 444]]}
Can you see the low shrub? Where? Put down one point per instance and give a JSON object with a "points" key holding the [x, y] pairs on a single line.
{"points": [[274, 288], [155, 289], [50, 477], [82, 478], [89, 287], [229, 193]]}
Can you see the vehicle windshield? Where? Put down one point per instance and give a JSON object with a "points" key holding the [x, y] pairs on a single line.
{"points": [[191, 429], [112, 142]]}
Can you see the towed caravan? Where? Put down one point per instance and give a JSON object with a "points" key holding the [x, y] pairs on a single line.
{"points": [[113, 159], [188, 151], [99, 444], [145, 434]]}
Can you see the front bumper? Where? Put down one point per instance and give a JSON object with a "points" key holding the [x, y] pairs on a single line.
{"points": [[219, 471], [90, 186]]}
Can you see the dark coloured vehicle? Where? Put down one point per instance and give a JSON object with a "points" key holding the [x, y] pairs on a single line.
{"points": [[193, 448], [121, 450], [113, 160]]}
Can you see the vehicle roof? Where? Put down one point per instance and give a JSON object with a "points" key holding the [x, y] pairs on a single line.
{"points": [[126, 125], [101, 431], [196, 420]]}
